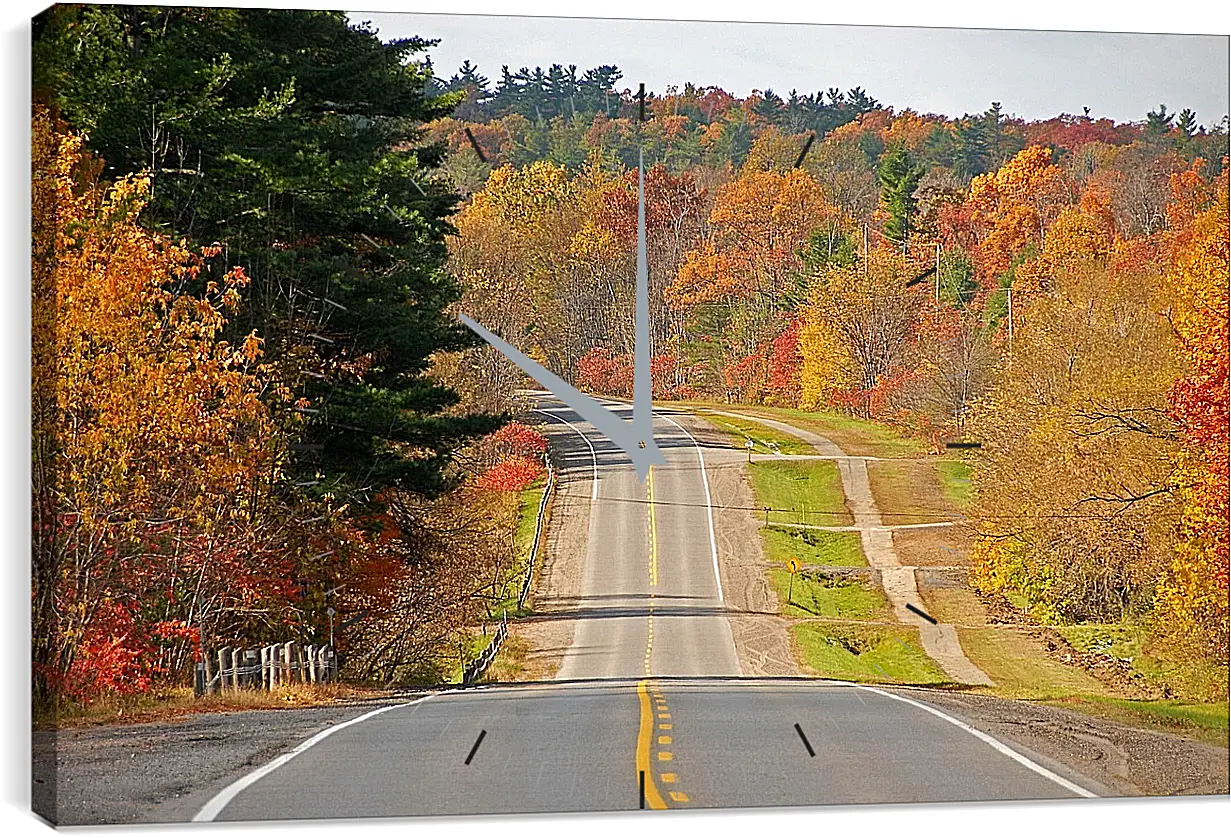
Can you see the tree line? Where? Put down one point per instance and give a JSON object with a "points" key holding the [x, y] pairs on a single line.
{"points": [[1053, 290]]}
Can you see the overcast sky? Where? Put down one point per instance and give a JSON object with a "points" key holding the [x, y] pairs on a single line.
{"points": [[1034, 75]]}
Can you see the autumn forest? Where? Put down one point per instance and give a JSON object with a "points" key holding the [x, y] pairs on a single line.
{"points": [[256, 417]]}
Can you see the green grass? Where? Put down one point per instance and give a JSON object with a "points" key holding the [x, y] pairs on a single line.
{"points": [[804, 492], [1196, 680], [955, 482], [866, 653], [474, 645], [1199, 714], [812, 546], [766, 440], [816, 595], [528, 511], [1022, 668], [523, 540], [858, 437], [1206, 721]]}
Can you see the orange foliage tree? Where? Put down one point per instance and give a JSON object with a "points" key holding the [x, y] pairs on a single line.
{"points": [[1013, 206], [153, 451]]}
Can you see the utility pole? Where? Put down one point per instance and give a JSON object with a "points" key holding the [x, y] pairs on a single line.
{"points": [[1010, 293], [937, 273]]}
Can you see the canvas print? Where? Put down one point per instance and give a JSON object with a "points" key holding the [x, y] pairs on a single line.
{"points": [[446, 415]]}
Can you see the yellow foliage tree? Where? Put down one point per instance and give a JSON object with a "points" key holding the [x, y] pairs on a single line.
{"points": [[1193, 599], [858, 325], [1075, 475]]}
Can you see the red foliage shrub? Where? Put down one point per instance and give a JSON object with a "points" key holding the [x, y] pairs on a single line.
{"points": [[512, 475], [602, 371], [785, 361], [518, 440]]}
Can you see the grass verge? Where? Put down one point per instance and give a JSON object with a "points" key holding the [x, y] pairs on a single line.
{"points": [[1200, 681], [510, 662], [1204, 721], [172, 702], [955, 482], [800, 492], [1021, 667], [817, 595], [913, 491], [876, 654], [857, 437], [527, 511], [766, 440], [842, 549]]}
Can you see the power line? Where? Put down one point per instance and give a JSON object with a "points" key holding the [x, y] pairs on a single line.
{"points": [[944, 516]]}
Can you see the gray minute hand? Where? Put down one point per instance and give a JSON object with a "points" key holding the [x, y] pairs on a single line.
{"points": [[636, 437]]}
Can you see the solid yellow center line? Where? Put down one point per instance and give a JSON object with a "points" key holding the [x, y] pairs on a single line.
{"points": [[653, 799]]}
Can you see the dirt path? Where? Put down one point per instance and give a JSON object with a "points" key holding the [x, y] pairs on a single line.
{"points": [[939, 640]]}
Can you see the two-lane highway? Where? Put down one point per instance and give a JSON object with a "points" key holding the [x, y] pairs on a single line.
{"points": [[651, 596], [650, 691]]}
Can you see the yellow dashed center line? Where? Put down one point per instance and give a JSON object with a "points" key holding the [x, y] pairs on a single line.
{"points": [[652, 798], [649, 483]]}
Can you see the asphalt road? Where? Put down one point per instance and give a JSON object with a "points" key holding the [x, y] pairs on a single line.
{"points": [[651, 602], [650, 688]]}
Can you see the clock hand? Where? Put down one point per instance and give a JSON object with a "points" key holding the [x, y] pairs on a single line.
{"points": [[624, 434], [643, 417], [635, 438]]}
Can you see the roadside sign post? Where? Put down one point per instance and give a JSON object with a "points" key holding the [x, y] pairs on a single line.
{"points": [[749, 445], [330, 612], [793, 566]]}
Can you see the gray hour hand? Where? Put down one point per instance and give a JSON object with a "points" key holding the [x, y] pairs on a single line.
{"points": [[635, 437]]}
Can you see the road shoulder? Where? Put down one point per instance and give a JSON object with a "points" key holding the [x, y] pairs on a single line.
{"points": [[1127, 759], [160, 772], [537, 643], [762, 638]]}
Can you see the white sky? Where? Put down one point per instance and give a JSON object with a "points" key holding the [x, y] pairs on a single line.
{"points": [[1033, 74]]}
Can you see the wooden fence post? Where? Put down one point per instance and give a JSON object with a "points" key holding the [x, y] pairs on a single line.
{"points": [[287, 659], [273, 667], [301, 675], [210, 686], [265, 667], [237, 661], [224, 668]]}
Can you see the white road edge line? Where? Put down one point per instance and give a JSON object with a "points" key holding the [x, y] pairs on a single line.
{"points": [[218, 802], [593, 456], [995, 743], [709, 506]]}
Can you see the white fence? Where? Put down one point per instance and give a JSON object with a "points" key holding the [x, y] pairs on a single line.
{"points": [[266, 668]]}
